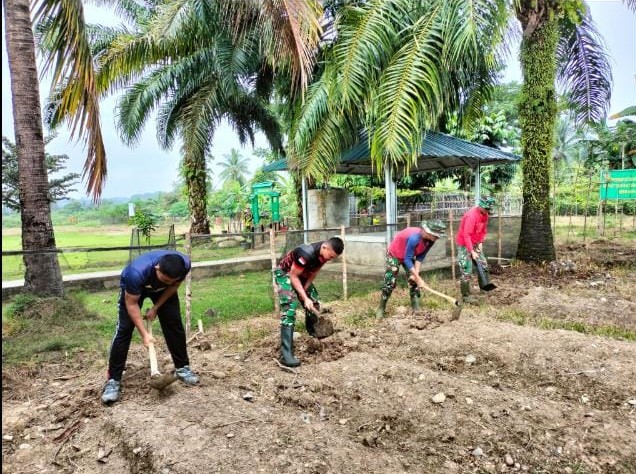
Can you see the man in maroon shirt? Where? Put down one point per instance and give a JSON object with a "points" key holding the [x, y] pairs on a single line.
{"points": [[408, 249], [294, 284], [470, 237]]}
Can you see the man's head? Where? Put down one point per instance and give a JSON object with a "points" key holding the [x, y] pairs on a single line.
{"points": [[331, 248], [487, 203], [171, 268], [433, 229]]}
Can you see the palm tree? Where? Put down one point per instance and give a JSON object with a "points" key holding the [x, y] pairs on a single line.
{"points": [[197, 75], [42, 276], [397, 67], [234, 167]]}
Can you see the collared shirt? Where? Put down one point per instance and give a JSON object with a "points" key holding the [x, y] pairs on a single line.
{"points": [[472, 228], [306, 256], [408, 245], [140, 275]]}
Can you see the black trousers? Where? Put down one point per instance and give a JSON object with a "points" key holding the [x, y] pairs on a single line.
{"points": [[169, 316]]}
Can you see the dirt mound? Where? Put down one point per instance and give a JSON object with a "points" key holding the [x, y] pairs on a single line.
{"points": [[413, 392]]}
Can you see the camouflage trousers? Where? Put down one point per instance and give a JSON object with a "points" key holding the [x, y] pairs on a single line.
{"points": [[288, 299], [391, 270], [465, 261]]}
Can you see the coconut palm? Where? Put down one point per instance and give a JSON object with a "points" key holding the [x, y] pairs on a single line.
{"points": [[42, 270], [234, 168], [201, 63], [398, 67]]}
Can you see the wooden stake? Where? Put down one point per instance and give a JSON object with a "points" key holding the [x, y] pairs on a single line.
{"points": [[188, 285], [452, 242], [272, 255], [499, 233], [344, 264]]}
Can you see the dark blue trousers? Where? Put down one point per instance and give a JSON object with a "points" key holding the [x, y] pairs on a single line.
{"points": [[169, 316]]}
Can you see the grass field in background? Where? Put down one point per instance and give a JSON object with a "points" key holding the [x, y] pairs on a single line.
{"points": [[568, 230], [70, 237]]}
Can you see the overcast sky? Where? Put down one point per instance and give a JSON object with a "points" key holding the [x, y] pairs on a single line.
{"points": [[147, 168]]}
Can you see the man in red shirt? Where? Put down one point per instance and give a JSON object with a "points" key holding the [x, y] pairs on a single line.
{"points": [[408, 248], [470, 237]]}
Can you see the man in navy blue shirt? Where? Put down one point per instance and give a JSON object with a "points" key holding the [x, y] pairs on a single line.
{"points": [[155, 275]]}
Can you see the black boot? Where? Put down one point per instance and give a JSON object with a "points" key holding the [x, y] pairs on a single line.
{"points": [[310, 322], [466, 296], [415, 302], [381, 311], [287, 346]]}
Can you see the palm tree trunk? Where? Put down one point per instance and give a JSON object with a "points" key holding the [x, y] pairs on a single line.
{"points": [[537, 116], [195, 174], [43, 276]]}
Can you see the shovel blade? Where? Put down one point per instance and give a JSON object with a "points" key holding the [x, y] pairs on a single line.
{"points": [[159, 382], [457, 311]]}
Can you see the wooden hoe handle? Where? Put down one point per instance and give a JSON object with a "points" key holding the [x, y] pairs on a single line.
{"points": [[441, 295], [152, 354]]}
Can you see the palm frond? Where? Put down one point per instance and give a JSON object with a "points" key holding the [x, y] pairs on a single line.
{"points": [[70, 62], [583, 69]]}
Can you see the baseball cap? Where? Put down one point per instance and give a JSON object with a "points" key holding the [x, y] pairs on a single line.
{"points": [[434, 227], [487, 202]]}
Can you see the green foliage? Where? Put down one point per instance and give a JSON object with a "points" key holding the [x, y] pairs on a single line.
{"points": [[146, 222], [58, 187], [20, 303]]}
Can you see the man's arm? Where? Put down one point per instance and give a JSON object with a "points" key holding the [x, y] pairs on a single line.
{"points": [[134, 312], [294, 277], [469, 227], [165, 295], [409, 255]]}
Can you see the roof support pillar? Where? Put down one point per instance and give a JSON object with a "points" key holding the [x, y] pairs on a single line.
{"points": [[305, 199], [478, 182], [391, 203]]}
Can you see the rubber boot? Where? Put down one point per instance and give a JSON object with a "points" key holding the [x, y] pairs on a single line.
{"points": [[381, 311], [415, 303], [466, 296], [287, 346], [310, 322]]}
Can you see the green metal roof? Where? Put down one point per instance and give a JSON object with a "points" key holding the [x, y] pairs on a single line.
{"points": [[439, 152]]}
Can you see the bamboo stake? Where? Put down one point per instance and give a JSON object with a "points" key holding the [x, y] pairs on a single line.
{"points": [[345, 287], [499, 233], [452, 243], [188, 285], [587, 200], [615, 215], [272, 255]]}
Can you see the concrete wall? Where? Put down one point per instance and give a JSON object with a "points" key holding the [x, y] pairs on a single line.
{"points": [[327, 208], [370, 249], [110, 280]]}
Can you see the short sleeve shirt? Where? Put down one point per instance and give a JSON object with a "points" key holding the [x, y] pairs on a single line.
{"points": [[306, 256], [140, 277]]}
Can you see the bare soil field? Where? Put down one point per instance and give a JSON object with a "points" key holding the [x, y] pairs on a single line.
{"points": [[503, 389]]}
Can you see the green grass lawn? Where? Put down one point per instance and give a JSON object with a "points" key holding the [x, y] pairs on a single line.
{"points": [[71, 237], [47, 329]]}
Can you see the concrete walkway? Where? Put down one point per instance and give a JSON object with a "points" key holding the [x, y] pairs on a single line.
{"points": [[98, 281]]}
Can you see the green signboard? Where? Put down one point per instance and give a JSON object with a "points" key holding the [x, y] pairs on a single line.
{"points": [[618, 184]]}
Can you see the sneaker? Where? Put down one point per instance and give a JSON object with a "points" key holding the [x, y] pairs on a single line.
{"points": [[112, 392], [186, 375]]}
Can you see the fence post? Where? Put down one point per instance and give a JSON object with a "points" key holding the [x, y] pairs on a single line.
{"points": [[452, 242], [272, 255], [499, 237], [587, 201], [344, 263], [188, 285]]}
